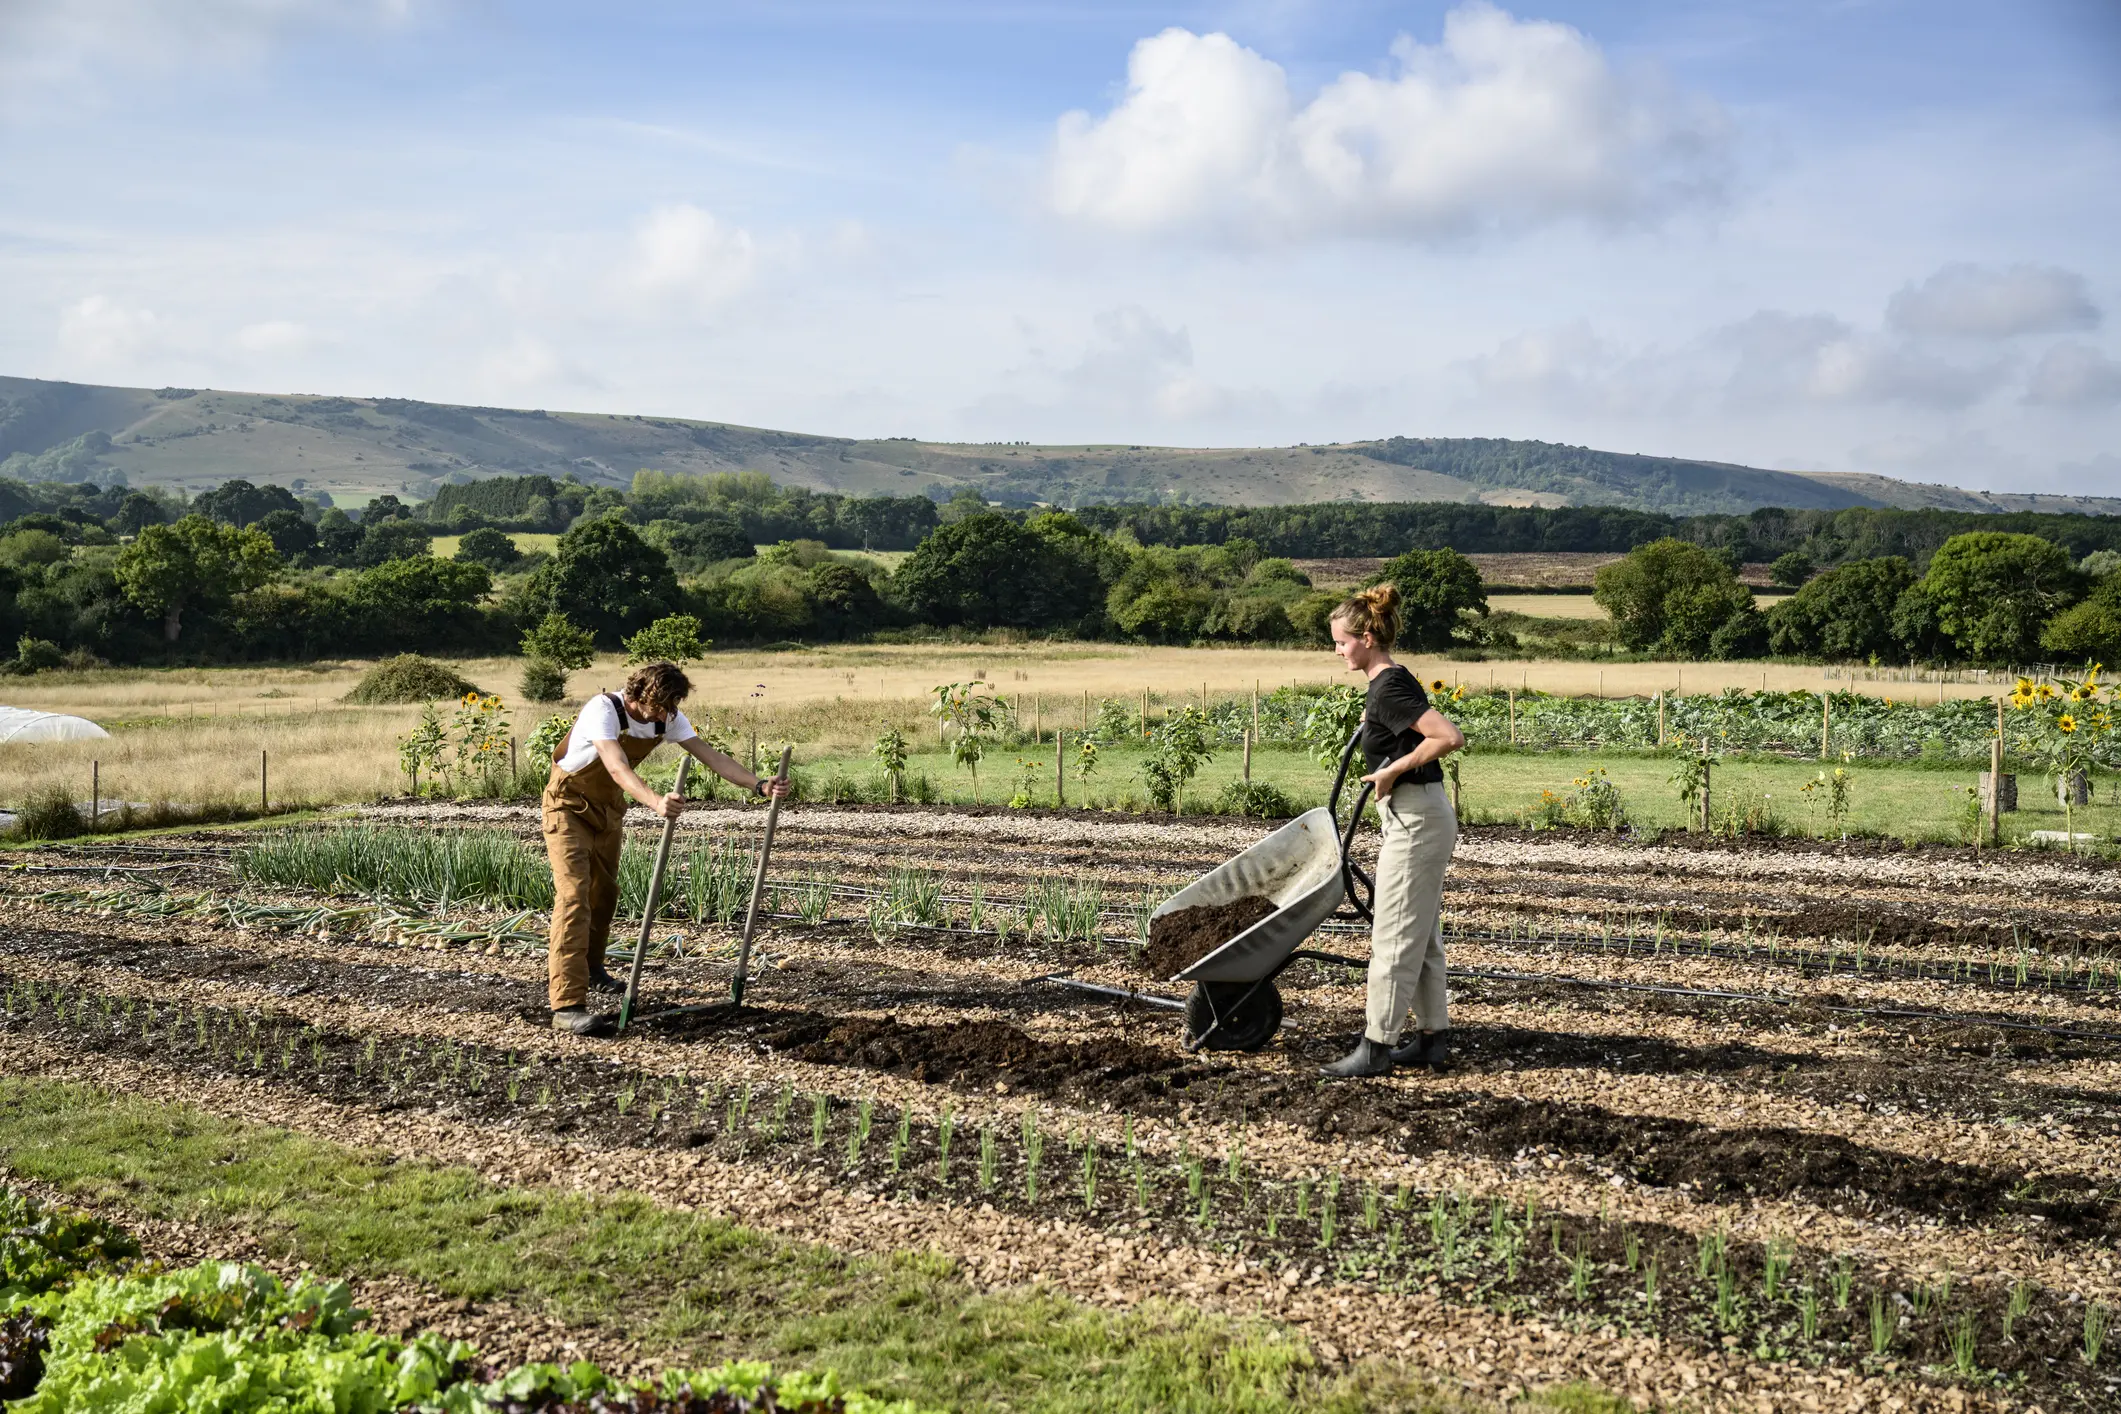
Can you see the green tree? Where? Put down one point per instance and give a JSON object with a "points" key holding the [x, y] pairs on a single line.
{"points": [[169, 570], [495, 549], [1791, 571], [2089, 632], [291, 534], [557, 641], [674, 639], [603, 577], [1844, 614], [1994, 592], [1670, 596], [986, 571], [392, 539], [1437, 588], [425, 601]]}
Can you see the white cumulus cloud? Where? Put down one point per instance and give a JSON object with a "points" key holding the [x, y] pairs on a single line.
{"points": [[1507, 124], [101, 334], [1977, 302], [2073, 374], [684, 253]]}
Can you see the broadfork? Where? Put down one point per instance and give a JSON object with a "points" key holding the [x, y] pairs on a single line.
{"points": [[751, 913]]}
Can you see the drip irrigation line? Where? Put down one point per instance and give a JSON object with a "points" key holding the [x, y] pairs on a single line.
{"points": [[1894, 1013], [104, 869]]}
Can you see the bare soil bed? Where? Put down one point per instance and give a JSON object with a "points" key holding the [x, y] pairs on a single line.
{"points": [[1798, 1114]]}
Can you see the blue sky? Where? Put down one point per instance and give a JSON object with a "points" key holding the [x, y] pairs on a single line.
{"points": [[1841, 236]]}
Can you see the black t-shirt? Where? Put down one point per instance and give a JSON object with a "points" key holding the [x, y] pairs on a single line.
{"points": [[1394, 704]]}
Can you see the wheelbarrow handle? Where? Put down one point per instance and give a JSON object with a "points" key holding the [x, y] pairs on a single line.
{"points": [[1350, 873]]}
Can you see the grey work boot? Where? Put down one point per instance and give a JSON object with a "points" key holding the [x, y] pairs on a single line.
{"points": [[602, 981], [1367, 1059], [581, 1021], [1426, 1048]]}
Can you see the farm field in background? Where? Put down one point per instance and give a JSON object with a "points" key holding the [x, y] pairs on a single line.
{"points": [[1740, 1127], [194, 735]]}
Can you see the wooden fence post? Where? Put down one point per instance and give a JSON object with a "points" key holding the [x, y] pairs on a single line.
{"points": [[1513, 714], [263, 797], [1145, 713], [1060, 768], [1705, 767], [1248, 758], [1826, 722], [1255, 707], [1660, 716], [1036, 733], [95, 793], [1994, 803]]}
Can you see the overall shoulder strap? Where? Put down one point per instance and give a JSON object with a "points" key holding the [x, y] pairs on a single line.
{"points": [[618, 704]]}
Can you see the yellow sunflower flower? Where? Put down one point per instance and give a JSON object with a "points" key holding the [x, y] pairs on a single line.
{"points": [[2066, 722]]}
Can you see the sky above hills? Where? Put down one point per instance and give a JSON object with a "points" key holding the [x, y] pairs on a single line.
{"points": [[1870, 235]]}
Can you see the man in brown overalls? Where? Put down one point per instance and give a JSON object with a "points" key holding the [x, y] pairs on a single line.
{"points": [[593, 771]]}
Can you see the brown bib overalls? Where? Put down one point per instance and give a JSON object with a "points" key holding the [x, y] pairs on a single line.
{"points": [[584, 814]]}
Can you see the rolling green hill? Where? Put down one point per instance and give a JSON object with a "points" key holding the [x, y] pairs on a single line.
{"points": [[357, 448]]}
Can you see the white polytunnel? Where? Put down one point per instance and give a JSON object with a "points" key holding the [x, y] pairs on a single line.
{"points": [[24, 725]]}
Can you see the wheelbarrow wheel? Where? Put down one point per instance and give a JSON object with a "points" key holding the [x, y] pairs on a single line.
{"points": [[1247, 1024]]}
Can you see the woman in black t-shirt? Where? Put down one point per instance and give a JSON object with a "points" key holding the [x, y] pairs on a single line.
{"points": [[1403, 739]]}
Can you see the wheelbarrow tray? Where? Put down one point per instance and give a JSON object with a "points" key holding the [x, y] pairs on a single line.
{"points": [[1297, 869]]}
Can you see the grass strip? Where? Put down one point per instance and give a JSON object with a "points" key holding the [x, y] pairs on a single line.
{"points": [[692, 1286]]}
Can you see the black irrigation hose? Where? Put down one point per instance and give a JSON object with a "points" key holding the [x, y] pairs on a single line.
{"points": [[1894, 1013], [1813, 963]]}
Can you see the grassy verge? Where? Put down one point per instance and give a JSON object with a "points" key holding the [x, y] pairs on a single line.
{"points": [[690, 1286]]}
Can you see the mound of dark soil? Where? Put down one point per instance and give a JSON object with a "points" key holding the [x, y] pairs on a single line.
{"points": [[1178, 940], [960, 1050]]}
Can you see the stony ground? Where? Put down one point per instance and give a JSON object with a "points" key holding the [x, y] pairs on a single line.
{"points": [[1766, 1127]]}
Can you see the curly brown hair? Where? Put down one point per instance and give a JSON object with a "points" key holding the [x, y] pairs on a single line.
{"points": [[658, 687], [1374, 611]]}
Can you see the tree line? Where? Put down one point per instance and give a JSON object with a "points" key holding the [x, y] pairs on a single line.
{"points": [[247, 572]]}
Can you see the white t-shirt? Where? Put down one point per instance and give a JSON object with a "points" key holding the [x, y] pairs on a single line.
{"points": [[600, 722]]}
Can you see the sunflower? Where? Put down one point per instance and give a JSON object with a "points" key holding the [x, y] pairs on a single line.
{"points": [[1436, 686], [2066, 722], [2044, 691]]}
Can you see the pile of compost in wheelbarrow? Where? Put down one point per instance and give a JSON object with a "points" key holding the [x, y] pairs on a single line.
{"points": [[1178, 940]]}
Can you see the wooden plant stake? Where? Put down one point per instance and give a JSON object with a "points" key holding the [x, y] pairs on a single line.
{"points": [[95, 794], [1248, 758], [1826, 721], [262, 794]]}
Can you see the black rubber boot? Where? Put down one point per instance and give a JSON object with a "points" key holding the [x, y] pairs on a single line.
{"points": [[1367, 1059], [581, 1021], [602, 981], [1426, 1048]]}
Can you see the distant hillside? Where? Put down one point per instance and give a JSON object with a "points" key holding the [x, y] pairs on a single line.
{"points": [[357, 448], [1923, 495]]}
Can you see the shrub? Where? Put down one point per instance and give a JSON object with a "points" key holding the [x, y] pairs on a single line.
{"points": [[409, 678], [49, 814], [1254, 798], [36, 655], [543, 680], [558, 641], [672, 639]]}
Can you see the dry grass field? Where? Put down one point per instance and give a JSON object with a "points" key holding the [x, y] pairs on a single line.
{"points": [[193, 735]]}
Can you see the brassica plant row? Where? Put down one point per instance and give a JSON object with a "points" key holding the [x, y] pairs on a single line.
{"points": [[84, 1325]]}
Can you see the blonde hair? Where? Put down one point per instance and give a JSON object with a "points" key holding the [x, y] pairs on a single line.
{"points": [[1374, 611]]}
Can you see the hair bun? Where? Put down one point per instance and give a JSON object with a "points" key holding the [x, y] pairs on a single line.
{"points": [[1382, 597]]}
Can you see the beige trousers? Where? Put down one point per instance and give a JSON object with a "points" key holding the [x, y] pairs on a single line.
{"points": [[1406, 934]]}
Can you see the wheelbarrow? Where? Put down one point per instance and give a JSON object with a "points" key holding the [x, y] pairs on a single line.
{"points": [[1304, 870]]}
